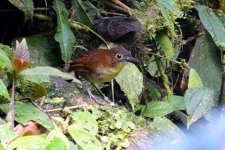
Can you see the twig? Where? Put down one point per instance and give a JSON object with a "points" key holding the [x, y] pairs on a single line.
{"points": [[185, 42], [75, 24], [71, 107], [118, 7]]}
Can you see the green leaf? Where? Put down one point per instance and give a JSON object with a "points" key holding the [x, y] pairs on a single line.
{"points": [[198, 102], [25, 6], [26, 112], [165, 44], [85, 121], [130, 80], [161, 108], [212, 24], [56, 144], [42, 50], [42, 74], [81, 11], [167, 7], [64, 34], [29, 143], [206, 61], [3, 90], [4, 60], [84, 138], [7, 135], [194, 79], [63, 141]]}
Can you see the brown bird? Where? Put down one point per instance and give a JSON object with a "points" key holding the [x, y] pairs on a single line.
{"points": [[101, 65]]}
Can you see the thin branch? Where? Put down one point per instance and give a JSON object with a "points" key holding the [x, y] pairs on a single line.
{"points": [[71, 107]]}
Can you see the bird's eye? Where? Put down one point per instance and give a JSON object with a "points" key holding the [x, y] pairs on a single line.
{"points": [[119, 56]]}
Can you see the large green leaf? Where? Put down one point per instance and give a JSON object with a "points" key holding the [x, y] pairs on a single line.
{"points": [[165, 44], [84, 138], [4, 60], [206, 61], [130, 80], [42, 74], [25, 6], [56, 144], [25, 112], [37, 142], [198, 102], [194, 79], [42, 48], [85, 11], [7, 135], [64, 34], [3, 90], [161, 108], [212, 24], [85, 121]]}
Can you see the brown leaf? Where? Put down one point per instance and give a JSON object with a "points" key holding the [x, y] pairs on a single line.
{"points": [[32, 128], [21, 58], [184, 81], [113, 28]]}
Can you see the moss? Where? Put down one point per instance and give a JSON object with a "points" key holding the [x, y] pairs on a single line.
{"points": [[8, 50]]}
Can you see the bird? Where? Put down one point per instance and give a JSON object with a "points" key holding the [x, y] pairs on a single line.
{"points": [[100, 66]]}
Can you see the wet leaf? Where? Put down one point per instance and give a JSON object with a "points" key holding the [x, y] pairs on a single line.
{"points": [[3, 90], [113, 28], [43, 74], [84, 138], [24, 112], [130, 80], [207, 56], [64, 34], [21, 59], [212, 24], [198, 102]]}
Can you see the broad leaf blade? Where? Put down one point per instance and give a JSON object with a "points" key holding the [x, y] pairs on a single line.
{"points": [[205, 60], [166, 45], [7, 135], [194, 79], [37, 142], [130, 80], [84, 139], [161, 108], [212, 24], [198, 102], [43, 74], [26, 112], [85, 121], [3, 90], [64, 34], [4, 60], [81, 14]]}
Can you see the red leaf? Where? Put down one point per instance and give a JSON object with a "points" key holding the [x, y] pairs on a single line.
{"points": [[21, 58], [113, 28]]}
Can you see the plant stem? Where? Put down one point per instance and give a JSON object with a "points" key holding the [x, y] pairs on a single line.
{"points": [[11, 115]]}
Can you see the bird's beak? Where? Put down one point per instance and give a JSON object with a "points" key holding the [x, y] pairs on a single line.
{"points": [[131, 59]]}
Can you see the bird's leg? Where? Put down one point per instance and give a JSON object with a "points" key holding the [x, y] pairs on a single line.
{"points": [[92, 96], [105, 98]]}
